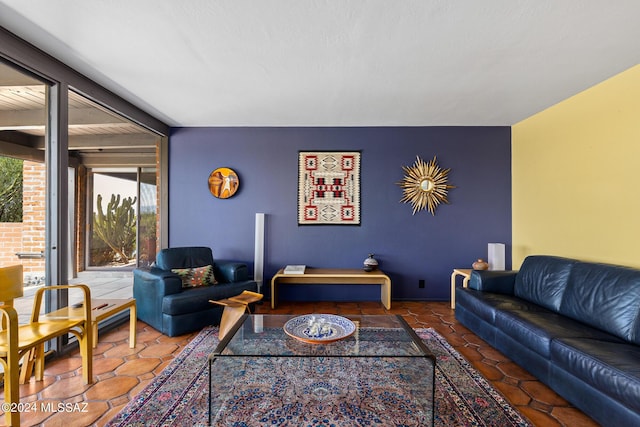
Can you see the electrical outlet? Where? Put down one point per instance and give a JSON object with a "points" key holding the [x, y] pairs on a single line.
{"points": [[421, 283]]}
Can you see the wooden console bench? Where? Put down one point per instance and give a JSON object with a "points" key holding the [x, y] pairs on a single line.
{"points": [[323, 276]]}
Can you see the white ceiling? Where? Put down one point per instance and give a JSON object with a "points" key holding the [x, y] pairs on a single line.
{"points": [[336, 62]]}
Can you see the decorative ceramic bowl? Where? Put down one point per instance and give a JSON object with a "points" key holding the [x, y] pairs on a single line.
{"points": [[319, 328], [480, 264]]}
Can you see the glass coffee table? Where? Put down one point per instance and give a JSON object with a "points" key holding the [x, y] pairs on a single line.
{"points": [[382, 374]]}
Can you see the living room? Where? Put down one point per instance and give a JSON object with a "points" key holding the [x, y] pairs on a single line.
{"points": [[556, 181]]}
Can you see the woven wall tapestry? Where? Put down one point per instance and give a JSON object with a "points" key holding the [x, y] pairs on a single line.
{"points": [[329, 188]]}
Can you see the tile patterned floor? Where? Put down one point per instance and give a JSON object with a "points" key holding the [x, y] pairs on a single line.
{"points": [[122, 372]]}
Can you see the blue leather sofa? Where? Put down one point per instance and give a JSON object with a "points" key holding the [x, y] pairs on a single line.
{"points": [[574, 325], [163, 303]]}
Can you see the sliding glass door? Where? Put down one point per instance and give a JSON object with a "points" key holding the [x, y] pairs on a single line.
{"points": [[58, 129], [23, 179]]}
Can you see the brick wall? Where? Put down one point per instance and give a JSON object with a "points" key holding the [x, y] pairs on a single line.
{"points": [[28, 236], [10, 242]]}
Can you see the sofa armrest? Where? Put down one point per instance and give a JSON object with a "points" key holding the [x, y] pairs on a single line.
{"points": [[499, 282], [156, 281], [231, 271], [150, 286]]}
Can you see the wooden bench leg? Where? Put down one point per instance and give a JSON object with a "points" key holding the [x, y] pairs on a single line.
{"points": [[385, 293], [132, 326], [29, 361]]}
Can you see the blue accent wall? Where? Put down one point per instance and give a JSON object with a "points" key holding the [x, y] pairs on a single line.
{"points": [[408, 247]]}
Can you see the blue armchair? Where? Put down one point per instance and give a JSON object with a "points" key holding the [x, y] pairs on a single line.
{"points": [[166, 305]]}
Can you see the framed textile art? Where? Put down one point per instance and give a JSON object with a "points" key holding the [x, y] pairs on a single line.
{"points": [[328, 188]]}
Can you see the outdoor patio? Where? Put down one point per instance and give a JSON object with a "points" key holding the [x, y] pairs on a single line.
{"points": [[103, 284]]}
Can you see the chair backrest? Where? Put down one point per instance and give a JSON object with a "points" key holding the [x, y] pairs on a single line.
{"points": [[11, 284]]}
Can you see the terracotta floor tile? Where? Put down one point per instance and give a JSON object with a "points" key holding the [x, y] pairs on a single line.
{"points": [[490, 352], [105, 364], [65, 365], [122, 350], [137, 389], [138, 366], [489, 372], [147, 335], [475, 340], [158, 350], [514, 394], [111, 388], [115, 336], [543, 393], [33, 386], [470, 353], [570, 416], [31, 418], [514, 370], [122, 372], [161, 367], [543, 419], [111, 413], [70, 417], [66, 387]]}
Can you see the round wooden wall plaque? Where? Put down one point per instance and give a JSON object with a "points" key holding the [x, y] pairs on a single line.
{"points": [[223, 183]]}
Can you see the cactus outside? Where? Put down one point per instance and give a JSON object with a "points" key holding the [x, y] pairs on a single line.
{"points": [[117, 227]]}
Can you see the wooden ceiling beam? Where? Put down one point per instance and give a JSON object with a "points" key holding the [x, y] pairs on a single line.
{"points": [[107, 142], [96, 160], [36, 118]]}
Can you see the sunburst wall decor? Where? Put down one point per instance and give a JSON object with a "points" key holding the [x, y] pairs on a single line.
{"points": [[425, 185]]}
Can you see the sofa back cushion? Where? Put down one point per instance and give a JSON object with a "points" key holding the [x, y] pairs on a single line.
{"points": [[184, 257], [606, 297], [543, 279]]}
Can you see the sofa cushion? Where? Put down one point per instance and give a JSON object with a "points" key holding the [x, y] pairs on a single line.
{"points": [[606, 297], [196, 276], [543, 280], [610, 365], [486, 304], [537, 328]]}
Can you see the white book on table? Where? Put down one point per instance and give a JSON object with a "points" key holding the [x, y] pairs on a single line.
{"points": [[294, 269]]}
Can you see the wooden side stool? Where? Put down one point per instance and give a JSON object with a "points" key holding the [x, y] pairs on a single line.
{"points": [[234, 308]]}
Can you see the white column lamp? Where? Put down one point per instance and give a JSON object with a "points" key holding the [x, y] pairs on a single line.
{"points": [[258, 258], [496, 256]]}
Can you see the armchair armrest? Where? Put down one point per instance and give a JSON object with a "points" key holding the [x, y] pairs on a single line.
{"points": [[35, 334], [10, 361], [86, 306], [150, 286], [156, 281], [499, 282], [231, 271]]}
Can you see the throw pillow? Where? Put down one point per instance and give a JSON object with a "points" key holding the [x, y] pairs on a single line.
{"points": [[197, 276]]}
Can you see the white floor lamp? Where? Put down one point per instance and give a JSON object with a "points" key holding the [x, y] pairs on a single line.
{"points": [[258, 258]]}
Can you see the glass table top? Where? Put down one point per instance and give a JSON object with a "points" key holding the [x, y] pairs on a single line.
{"points": [[374, 336]]}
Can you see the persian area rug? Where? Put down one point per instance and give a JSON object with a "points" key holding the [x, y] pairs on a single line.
{"points": [[179, 396]]}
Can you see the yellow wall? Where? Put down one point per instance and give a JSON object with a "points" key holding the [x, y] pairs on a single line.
{"points": [[576, 176]]}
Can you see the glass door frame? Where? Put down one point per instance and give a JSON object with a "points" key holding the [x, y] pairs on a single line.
{"points": [[59, 78]]}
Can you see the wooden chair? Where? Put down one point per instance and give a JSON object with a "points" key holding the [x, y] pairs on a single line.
{"points": [[32, 336], [10, 288]]}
